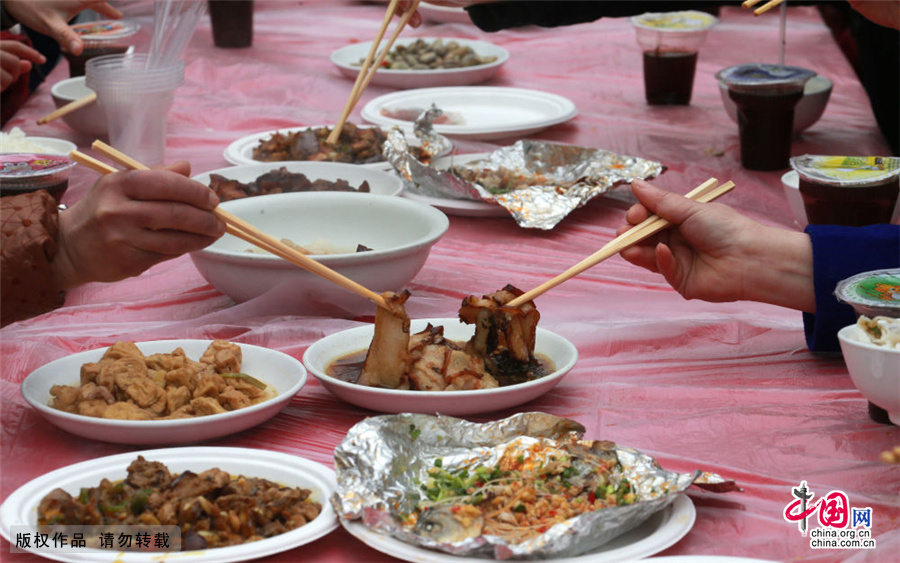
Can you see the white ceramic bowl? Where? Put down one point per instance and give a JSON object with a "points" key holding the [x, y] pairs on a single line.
{"points": [[875, 370], [284, 373], [346, 59], [380, 181], [89, 119], [809, 109], [400, 233], [324, 352], [790, 182]]}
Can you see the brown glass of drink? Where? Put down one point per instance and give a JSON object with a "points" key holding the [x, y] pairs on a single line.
{"points": [[106, 37], [232, 23], [670, 42], [765, 96]]}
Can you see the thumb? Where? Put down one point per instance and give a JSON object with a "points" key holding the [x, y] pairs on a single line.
{"points": [[182, 167], [671, 206]]}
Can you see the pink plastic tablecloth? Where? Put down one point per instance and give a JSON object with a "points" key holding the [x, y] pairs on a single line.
{"points": [[727, 388]]}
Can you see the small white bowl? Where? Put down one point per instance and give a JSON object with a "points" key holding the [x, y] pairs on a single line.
{"points": [[380, 181], [809, 109], [790, 182], [89, 119], [400, 233], [875, 370], [284, 373]]}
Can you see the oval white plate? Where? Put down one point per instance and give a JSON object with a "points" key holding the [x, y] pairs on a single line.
{"points": [[459, 207], [20, 508], [444, 14], [488, 112], [659, 532], [241, 151], [284, 373], [380, 181], [322, 353], [347, 59]]}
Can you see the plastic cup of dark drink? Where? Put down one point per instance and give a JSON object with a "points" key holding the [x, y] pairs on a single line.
{"points": [[107, 37], [765, 96], [670, 42], [848, 190], [26, 172], [232, 22]]}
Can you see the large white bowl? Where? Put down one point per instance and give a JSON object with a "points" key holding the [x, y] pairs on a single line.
{"points": [[284, 373], [346, 59], [89, 119], [400, 233], [324, 352], [809, 109], [875, 370], [380, 181]]}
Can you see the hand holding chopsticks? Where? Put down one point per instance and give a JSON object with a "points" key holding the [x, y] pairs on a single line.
{"points": [[747, 4], [237, 227], [705, 192], [368, 69]]}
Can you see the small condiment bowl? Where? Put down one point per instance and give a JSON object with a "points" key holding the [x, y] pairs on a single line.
{"points": [[89, 119]]}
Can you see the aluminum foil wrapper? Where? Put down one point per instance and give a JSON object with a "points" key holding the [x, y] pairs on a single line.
{"points": [[383, 460], [564, 177]]}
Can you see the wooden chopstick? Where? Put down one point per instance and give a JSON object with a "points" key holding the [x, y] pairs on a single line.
{"points": [[747, 4], [236, 226], [68, 108], [368, 70], [705, 192]]}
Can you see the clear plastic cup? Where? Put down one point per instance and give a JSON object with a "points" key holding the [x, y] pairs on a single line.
{"points": [[765, 96], [670, 42], [105, 37], [136, 101]]}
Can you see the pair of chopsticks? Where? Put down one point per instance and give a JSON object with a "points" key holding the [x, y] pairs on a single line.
{"points": [[368, 70], [747, 4], [68, 108], [705, 192], [236, 226]]}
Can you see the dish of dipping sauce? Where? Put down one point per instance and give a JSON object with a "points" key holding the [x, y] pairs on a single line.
{"points": [[26, 172], [848, 190]]}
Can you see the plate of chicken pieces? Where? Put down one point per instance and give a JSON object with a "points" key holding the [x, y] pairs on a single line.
{"points": [[491, 358], [164, 391]]}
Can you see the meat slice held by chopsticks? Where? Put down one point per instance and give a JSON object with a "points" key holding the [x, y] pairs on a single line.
{"points": [[504, 336], [387, 357]]}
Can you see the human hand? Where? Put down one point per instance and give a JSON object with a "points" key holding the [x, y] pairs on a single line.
{"points": [[416, 19], [129, 221], [714, 253], [882, 12], [16, 59], [51, 17]]}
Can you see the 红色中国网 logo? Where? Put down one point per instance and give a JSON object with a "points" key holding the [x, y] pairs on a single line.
{"points": [[840, 525]]}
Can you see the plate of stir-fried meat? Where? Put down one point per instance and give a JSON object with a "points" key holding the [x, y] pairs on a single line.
{"points": [[490, 358], [165, 391], [222, 504], [357, 144]]}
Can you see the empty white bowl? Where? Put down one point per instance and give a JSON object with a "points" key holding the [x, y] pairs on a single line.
{"points": [[809, 109], [875, 370], [400, 233], [89, 119]]}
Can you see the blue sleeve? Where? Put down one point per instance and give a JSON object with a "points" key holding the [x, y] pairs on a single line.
{"points": [[838, 253]]}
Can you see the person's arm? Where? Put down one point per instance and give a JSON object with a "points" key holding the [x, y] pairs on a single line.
{"points": [[714, 253], [51, 17]]}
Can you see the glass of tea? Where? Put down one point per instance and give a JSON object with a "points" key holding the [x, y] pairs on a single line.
{"points": [[670, 42]]}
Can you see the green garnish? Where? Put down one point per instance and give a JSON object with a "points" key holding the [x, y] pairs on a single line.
{"points": [[248, 378]]}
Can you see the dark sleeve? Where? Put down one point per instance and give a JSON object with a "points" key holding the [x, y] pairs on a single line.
{"points": [[495, 16], [838, 253], [30, 227]]}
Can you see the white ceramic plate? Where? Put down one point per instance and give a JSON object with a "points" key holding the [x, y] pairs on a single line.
{"points": [[284, 373], [20, 508], [706, 559], [380, 182], [347, 59], [459, 207], [478, 112], [322, 353], [659, 532], [241, 151], [444, 14]]}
